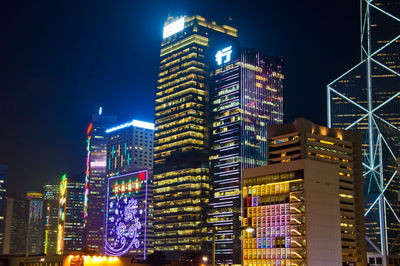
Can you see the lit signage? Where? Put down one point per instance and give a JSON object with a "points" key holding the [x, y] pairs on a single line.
{"points": [[126, 214], [224, 53], [174, 27]]}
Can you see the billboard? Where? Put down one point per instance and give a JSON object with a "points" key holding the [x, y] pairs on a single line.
{"points": [[126, 215]]}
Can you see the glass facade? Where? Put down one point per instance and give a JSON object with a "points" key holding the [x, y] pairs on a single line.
{"points": [[95, 182], [246, 95], [181, 142], [70, 216], [34, 237], [19, 225], [274, 206], [50, 216], [350, 101]]}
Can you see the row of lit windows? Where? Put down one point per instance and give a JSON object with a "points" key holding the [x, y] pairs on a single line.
{"points": [[181, 80], [179, 122], [170, 104], [189, 88], [174, 117], [175, 75]]}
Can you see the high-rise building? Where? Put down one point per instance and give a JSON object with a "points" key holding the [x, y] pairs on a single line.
{"points": [[95, 179], [51, 195], [294, 212], [127, 215], [246, 95], [34, 241], [181, 139], [129, 147], [303, 139], [3, 201], [18, 230], [366, 98], [129, 178], [70, 215]]}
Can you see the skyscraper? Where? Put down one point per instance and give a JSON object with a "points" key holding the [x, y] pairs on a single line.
{"points": [[70, 215], [3, 201], [129, 146], [303, 139], [367, 98], [246, 95], [51, 195], [129, 179], [181, 142], [95, 178], [19, 209], [34, 243], [293, 210]]}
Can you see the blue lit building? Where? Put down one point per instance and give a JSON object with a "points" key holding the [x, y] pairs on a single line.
{"points": [[95, 181], [129, 178], [3, 201], [246, 95]]}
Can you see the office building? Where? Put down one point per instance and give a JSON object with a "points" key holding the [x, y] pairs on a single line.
{"points": [[181, 139], [129, 164], [3, 201], [303, 139], [95, 181], [129, 147], [51, 194], [34, 241], [246, 95], [294, 211], [127, 214], [16, 233], [366, 99], [70, 215]]}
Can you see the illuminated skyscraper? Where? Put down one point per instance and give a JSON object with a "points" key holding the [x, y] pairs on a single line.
{"points": [[3, 201], [70, 215], [367, 98], [181, 142], [129, 177], [129, 147], [95, 187], [51, 194], [303, 139], [246, 95], [34, 242]]}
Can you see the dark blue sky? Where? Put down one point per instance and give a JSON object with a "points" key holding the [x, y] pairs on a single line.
{"points": [[61, 60]]}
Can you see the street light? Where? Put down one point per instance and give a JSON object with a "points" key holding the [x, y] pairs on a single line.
{"points": [[205, 259]]}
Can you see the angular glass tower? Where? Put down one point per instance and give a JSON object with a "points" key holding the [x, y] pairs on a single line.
{"points": [[367, 98], [246, 95], [181, 174]]}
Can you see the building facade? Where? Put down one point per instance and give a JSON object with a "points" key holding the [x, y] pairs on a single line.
{"points": [[18, 230], [294, 211], [95, 181], [3, 201], [303, 139], [34, 241], [70, 215], [366, 98], [246, 95], [127, 215], [51, 195], [129, 147], [181, 141], [129, 179]]}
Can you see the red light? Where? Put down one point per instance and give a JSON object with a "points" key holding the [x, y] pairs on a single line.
{"points": [[89, 128], [142, 176]]}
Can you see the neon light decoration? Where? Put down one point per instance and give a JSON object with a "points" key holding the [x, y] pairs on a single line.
{"points": [[135, 123], [86, 202], [62, 204], [226, 52], [174, 27], [126, 214]]}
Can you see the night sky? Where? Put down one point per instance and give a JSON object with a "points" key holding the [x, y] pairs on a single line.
{"points": [[62, 60]]}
